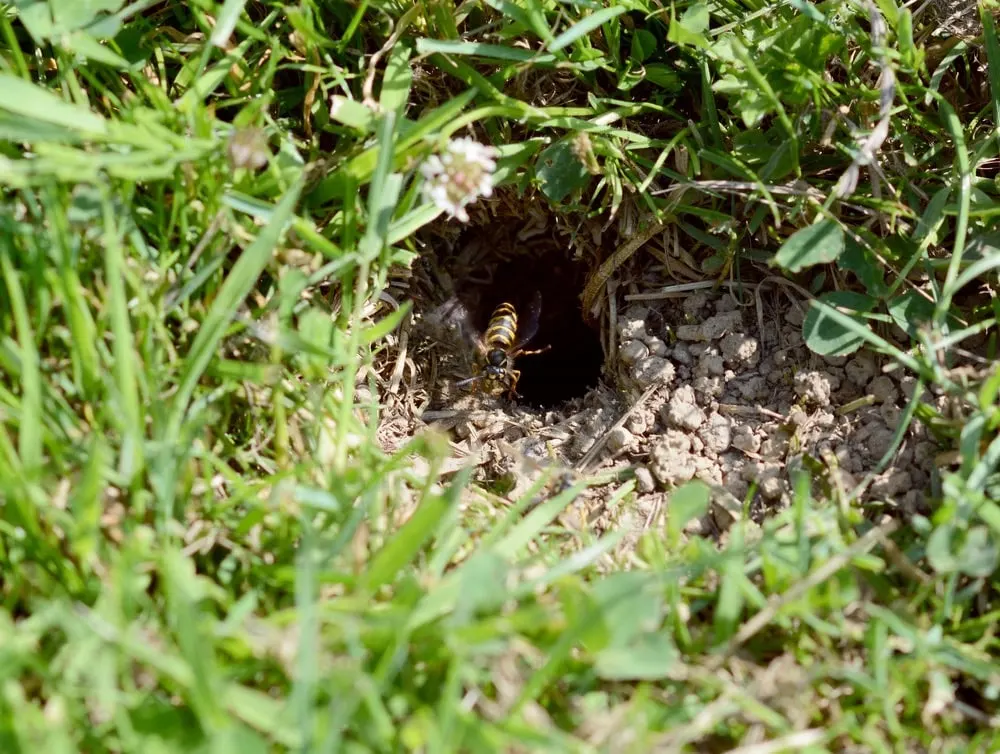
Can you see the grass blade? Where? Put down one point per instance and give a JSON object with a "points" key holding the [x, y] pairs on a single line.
{"points": [[581, 28], [238, 284], [407, 542], [225, 23], [130, 414], [480, 50], [993, 56], [25, 99], [29, 436]]}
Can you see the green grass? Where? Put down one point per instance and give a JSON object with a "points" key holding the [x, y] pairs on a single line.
{"points": [[203, 546]]}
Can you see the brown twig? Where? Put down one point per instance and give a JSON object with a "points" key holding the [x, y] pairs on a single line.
{"points": [[591, 454], [621, 255]]}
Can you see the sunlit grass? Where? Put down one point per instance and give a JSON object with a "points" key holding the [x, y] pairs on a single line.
{"points": [[205, 548]]}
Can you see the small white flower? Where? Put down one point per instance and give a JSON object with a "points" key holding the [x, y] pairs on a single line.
{"points": [[459, 176]]}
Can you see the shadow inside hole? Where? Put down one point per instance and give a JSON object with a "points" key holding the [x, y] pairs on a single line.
{"points": [[572, 365]]}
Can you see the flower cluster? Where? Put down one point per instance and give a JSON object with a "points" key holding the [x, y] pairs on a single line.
{"points": [[461, 174]]}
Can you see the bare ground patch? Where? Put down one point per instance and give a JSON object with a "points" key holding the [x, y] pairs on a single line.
{"points": [[713, 384]]}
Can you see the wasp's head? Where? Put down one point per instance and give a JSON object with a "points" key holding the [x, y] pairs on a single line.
{"points": [[495, 374], [495, 371]]}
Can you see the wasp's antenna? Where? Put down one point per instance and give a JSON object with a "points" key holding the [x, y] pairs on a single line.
{"points": [[469, 380]]}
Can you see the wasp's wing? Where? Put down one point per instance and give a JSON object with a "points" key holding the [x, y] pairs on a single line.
{"points": [[452, 317], [528, 326]]}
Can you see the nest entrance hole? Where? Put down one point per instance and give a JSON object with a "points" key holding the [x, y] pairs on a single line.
{"points": [[573, 363]]}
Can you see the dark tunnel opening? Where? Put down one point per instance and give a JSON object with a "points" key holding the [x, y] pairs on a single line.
{"points": [[572, 364]]}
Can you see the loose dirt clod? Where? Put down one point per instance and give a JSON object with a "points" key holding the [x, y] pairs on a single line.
{"points": [[632, 326], [644, 480], [619, 439], [653, 371], [633, 351], [717, 434], [682, 410], [860, 370], [739, 350], [814, 387], [672, 459], [656, 346], [712, 328], [883, 390]]}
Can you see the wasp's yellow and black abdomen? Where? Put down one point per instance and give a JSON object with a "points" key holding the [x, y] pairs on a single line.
{"points": [[502, 327]]}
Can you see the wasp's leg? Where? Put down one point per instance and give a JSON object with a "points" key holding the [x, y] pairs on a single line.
{"points": [[534, 351], [515, 375]]}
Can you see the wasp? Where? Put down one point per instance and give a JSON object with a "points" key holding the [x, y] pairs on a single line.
{"points": [[501, 345]]}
